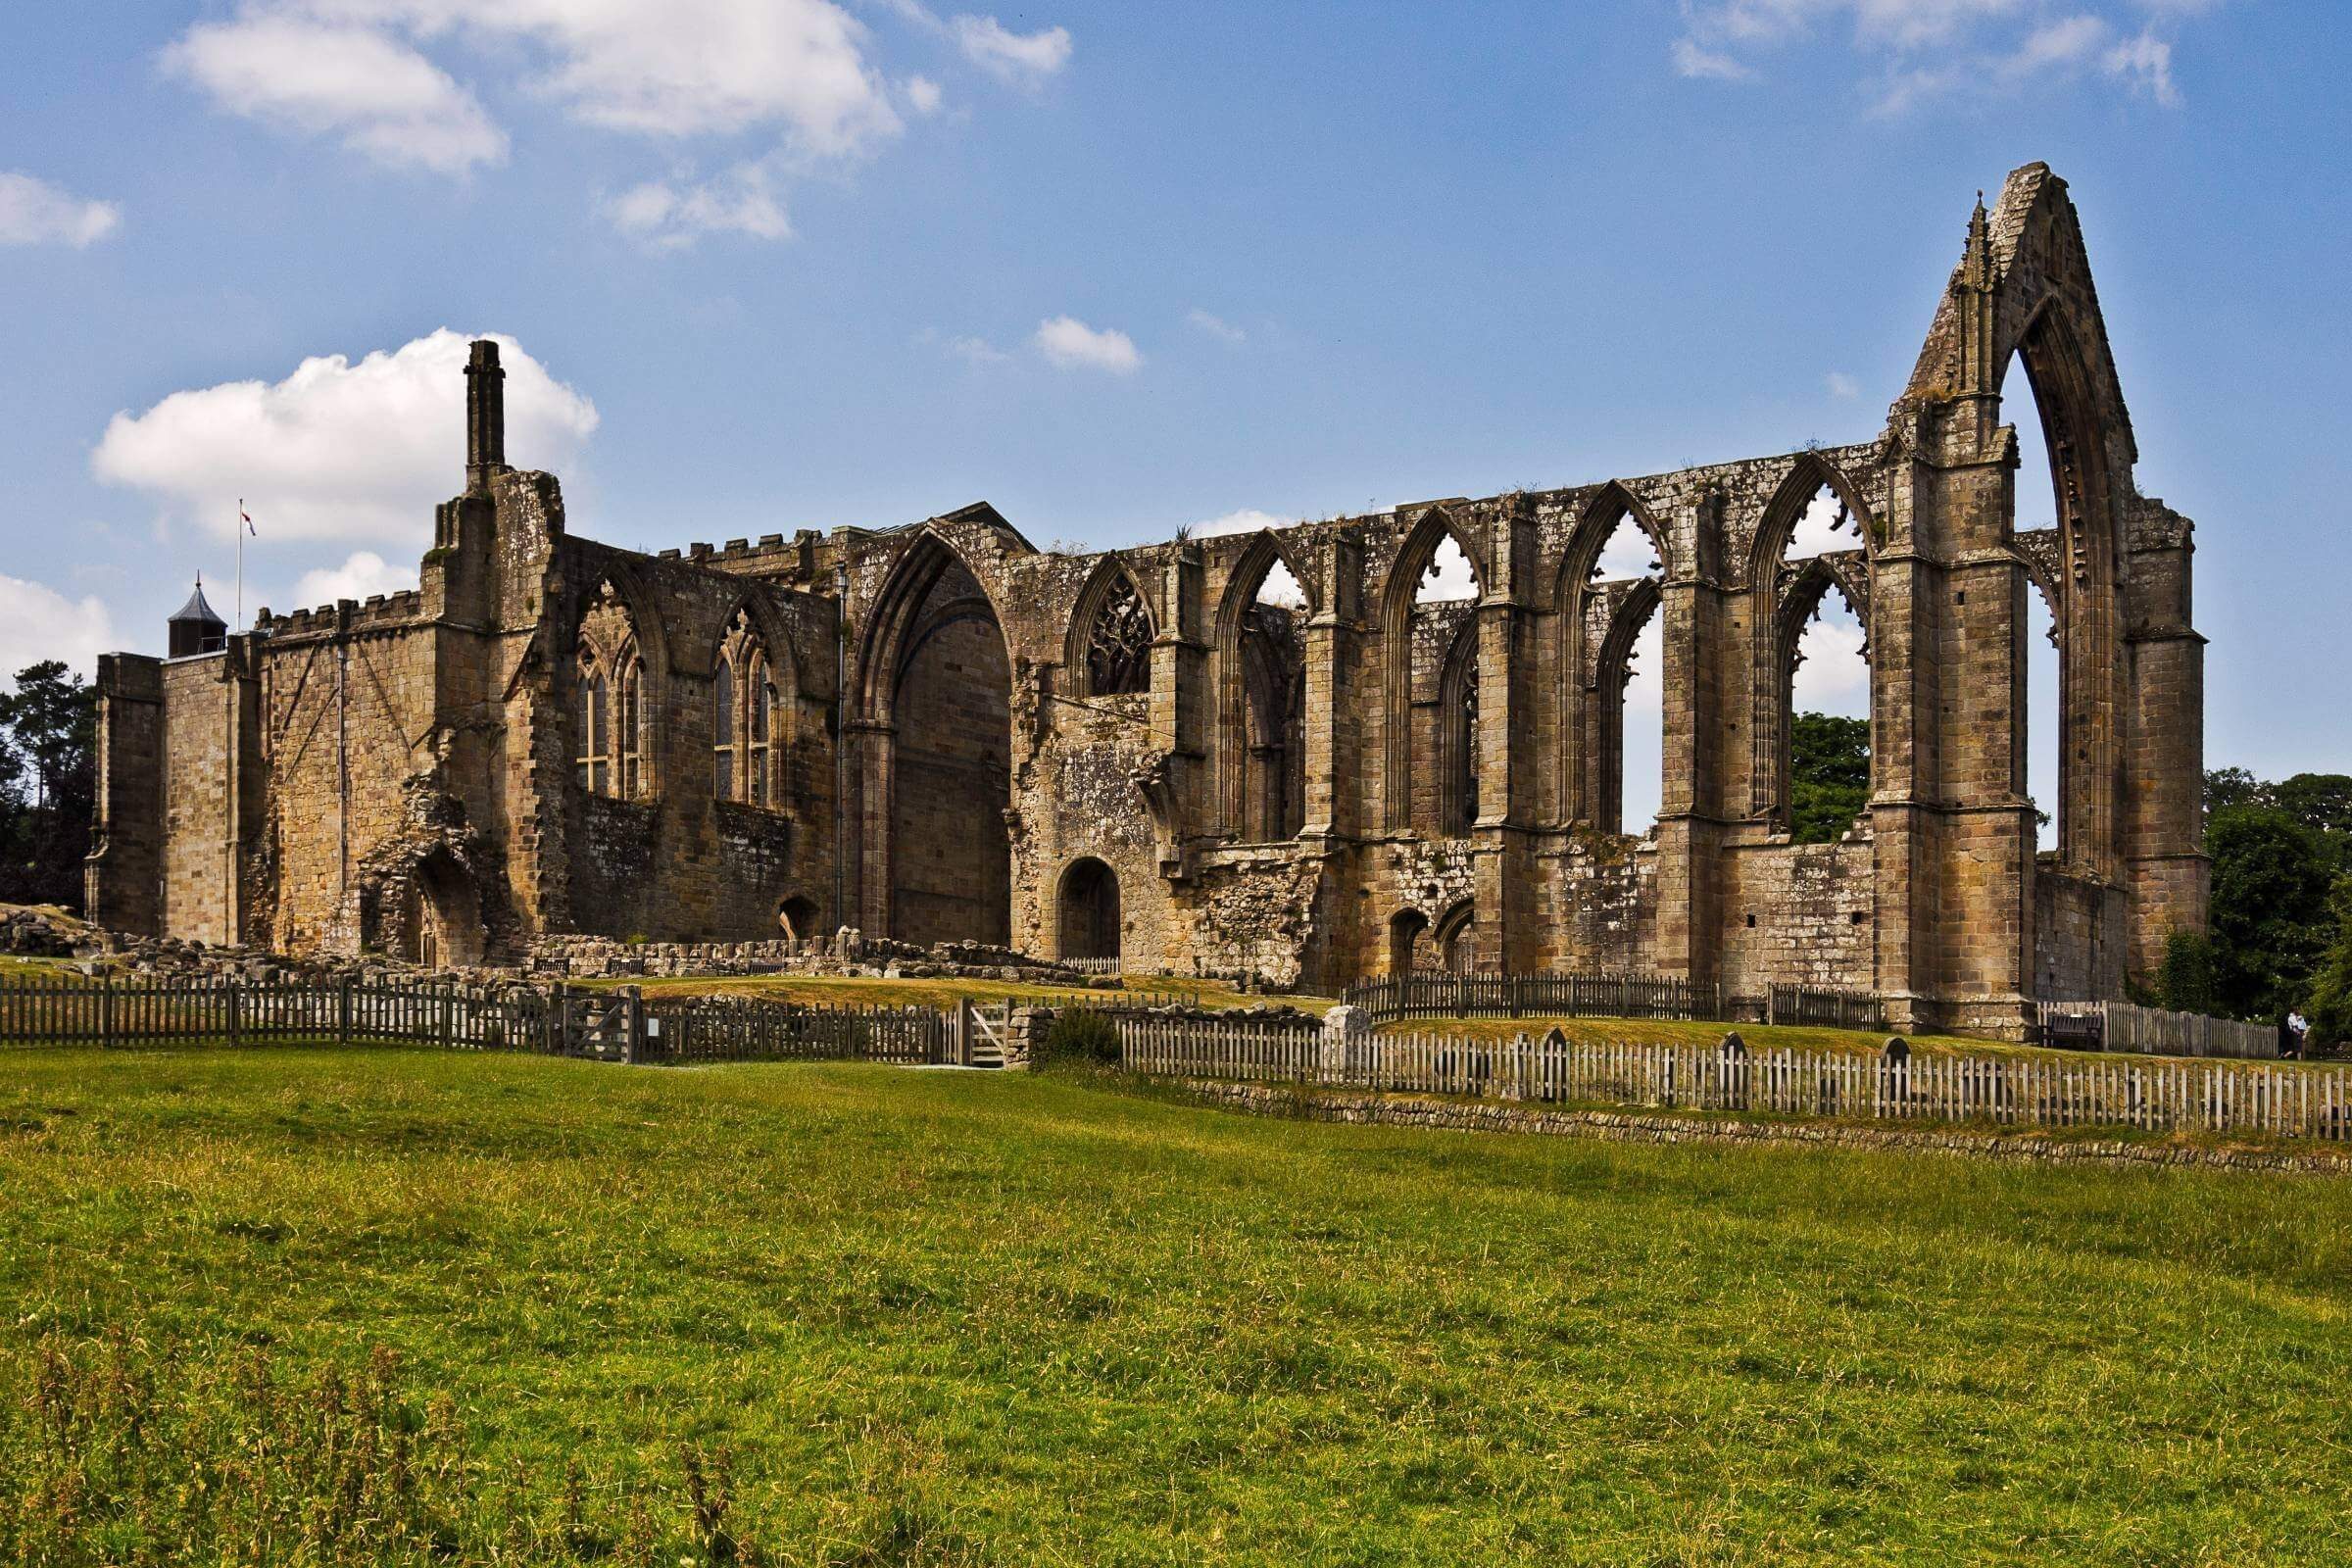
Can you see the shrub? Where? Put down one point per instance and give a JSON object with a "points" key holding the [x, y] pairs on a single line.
{"points": [[1082, 1036], [2186, 982]]}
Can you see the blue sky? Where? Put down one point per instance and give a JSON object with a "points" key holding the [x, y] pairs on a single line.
{"points": [[778, 263]]}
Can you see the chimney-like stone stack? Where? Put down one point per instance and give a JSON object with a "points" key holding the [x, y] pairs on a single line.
{"points": [[485, 414]]}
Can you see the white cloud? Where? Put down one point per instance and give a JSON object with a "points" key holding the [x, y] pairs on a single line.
{"points": [[33, 212], [1690, 60], [1818, 532], [1027, 58], [923, 95], [1450, 574], [1833, 676], [1071, 344], [1246, 520], [669, 216], [976, 351], [384, 99], [1923, 49], [363, 575], [1223, 331], [1628, 552], [38, 622], [1843, 385], [337, 450], [2146, 63]]}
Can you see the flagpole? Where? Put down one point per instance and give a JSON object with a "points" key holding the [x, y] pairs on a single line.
{"points": [[242, 525]]}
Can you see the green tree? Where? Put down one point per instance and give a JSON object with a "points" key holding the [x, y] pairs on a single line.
{"points": [[50, 725], [2330, 1010], [2185, 983], [1829, 777], [2269, 925]]}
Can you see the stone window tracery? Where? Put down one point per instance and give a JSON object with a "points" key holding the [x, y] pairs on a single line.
{"points": [[1118, 646], [723, 729], [609, 704], [743, 719]]}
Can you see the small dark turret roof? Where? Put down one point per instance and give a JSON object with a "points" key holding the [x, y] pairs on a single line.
{"points": [[197, 610]]}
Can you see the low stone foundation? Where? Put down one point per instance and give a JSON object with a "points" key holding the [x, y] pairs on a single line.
{"points": [[1658, 1127], [846, 953]]}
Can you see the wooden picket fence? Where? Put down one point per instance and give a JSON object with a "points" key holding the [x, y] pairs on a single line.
{"points": [[605, 1025], [236, 1012], [733, 1029], [2277, 1100], [1283, 1049], [1824, 1009], [1435, 994], [2152, 1032]]}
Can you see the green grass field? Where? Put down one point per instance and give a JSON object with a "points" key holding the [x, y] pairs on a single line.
{"points": [[856, 1316]]}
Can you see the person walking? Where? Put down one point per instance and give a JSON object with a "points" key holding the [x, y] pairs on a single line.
{"points": [[2298, 1028]]}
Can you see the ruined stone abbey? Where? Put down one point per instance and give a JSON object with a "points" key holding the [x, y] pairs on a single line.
{"points": [[938, 731]]}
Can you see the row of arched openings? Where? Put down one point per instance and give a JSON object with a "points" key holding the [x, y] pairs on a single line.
{"points": [[1417, 945]]}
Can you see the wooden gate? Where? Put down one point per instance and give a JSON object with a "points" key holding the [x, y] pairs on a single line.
{"points": [[601, 1025], [983, 1034]]}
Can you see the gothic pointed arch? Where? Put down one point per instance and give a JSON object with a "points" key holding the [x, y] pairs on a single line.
{"points": [[1434, 526], [1455, 938], [1458, 735], [1809, 475], [931, 746], [617, 673], [1815, 579], [2081, 568], [1108, 650], [1260, 676], [1608, 507], [1612, 668], [753, 691], [1589, 766]]}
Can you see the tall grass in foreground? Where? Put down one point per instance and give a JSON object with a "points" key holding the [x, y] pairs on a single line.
{"points": [[119, 1456]]}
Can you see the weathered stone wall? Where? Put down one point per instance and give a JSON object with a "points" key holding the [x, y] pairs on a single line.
{"points": [[1801, 915], [123, 884], [2078, 936], [944, 754]]}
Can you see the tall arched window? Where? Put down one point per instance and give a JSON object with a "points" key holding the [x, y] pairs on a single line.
{"points": [[1118, 641], [1814, 745], [2035, 527], [723, 753], [762, 694], [609, 709], [630, 726], [596, 729], [1261, 642], [743, 719], [1428, 607], [1619, 714], [1457, 712], [1828, 700]]}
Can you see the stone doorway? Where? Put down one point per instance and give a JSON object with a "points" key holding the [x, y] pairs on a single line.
{"points": [[1089, 910]]}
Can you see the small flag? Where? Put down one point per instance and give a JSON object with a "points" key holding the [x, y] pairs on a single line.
{"points": [[241, 512]]}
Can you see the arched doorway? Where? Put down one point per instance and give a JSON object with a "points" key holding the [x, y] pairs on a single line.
{"points": [[1456, 938], [1405, 929], [444, 916], [796, 918], [1089, 910], [934, 772]]}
